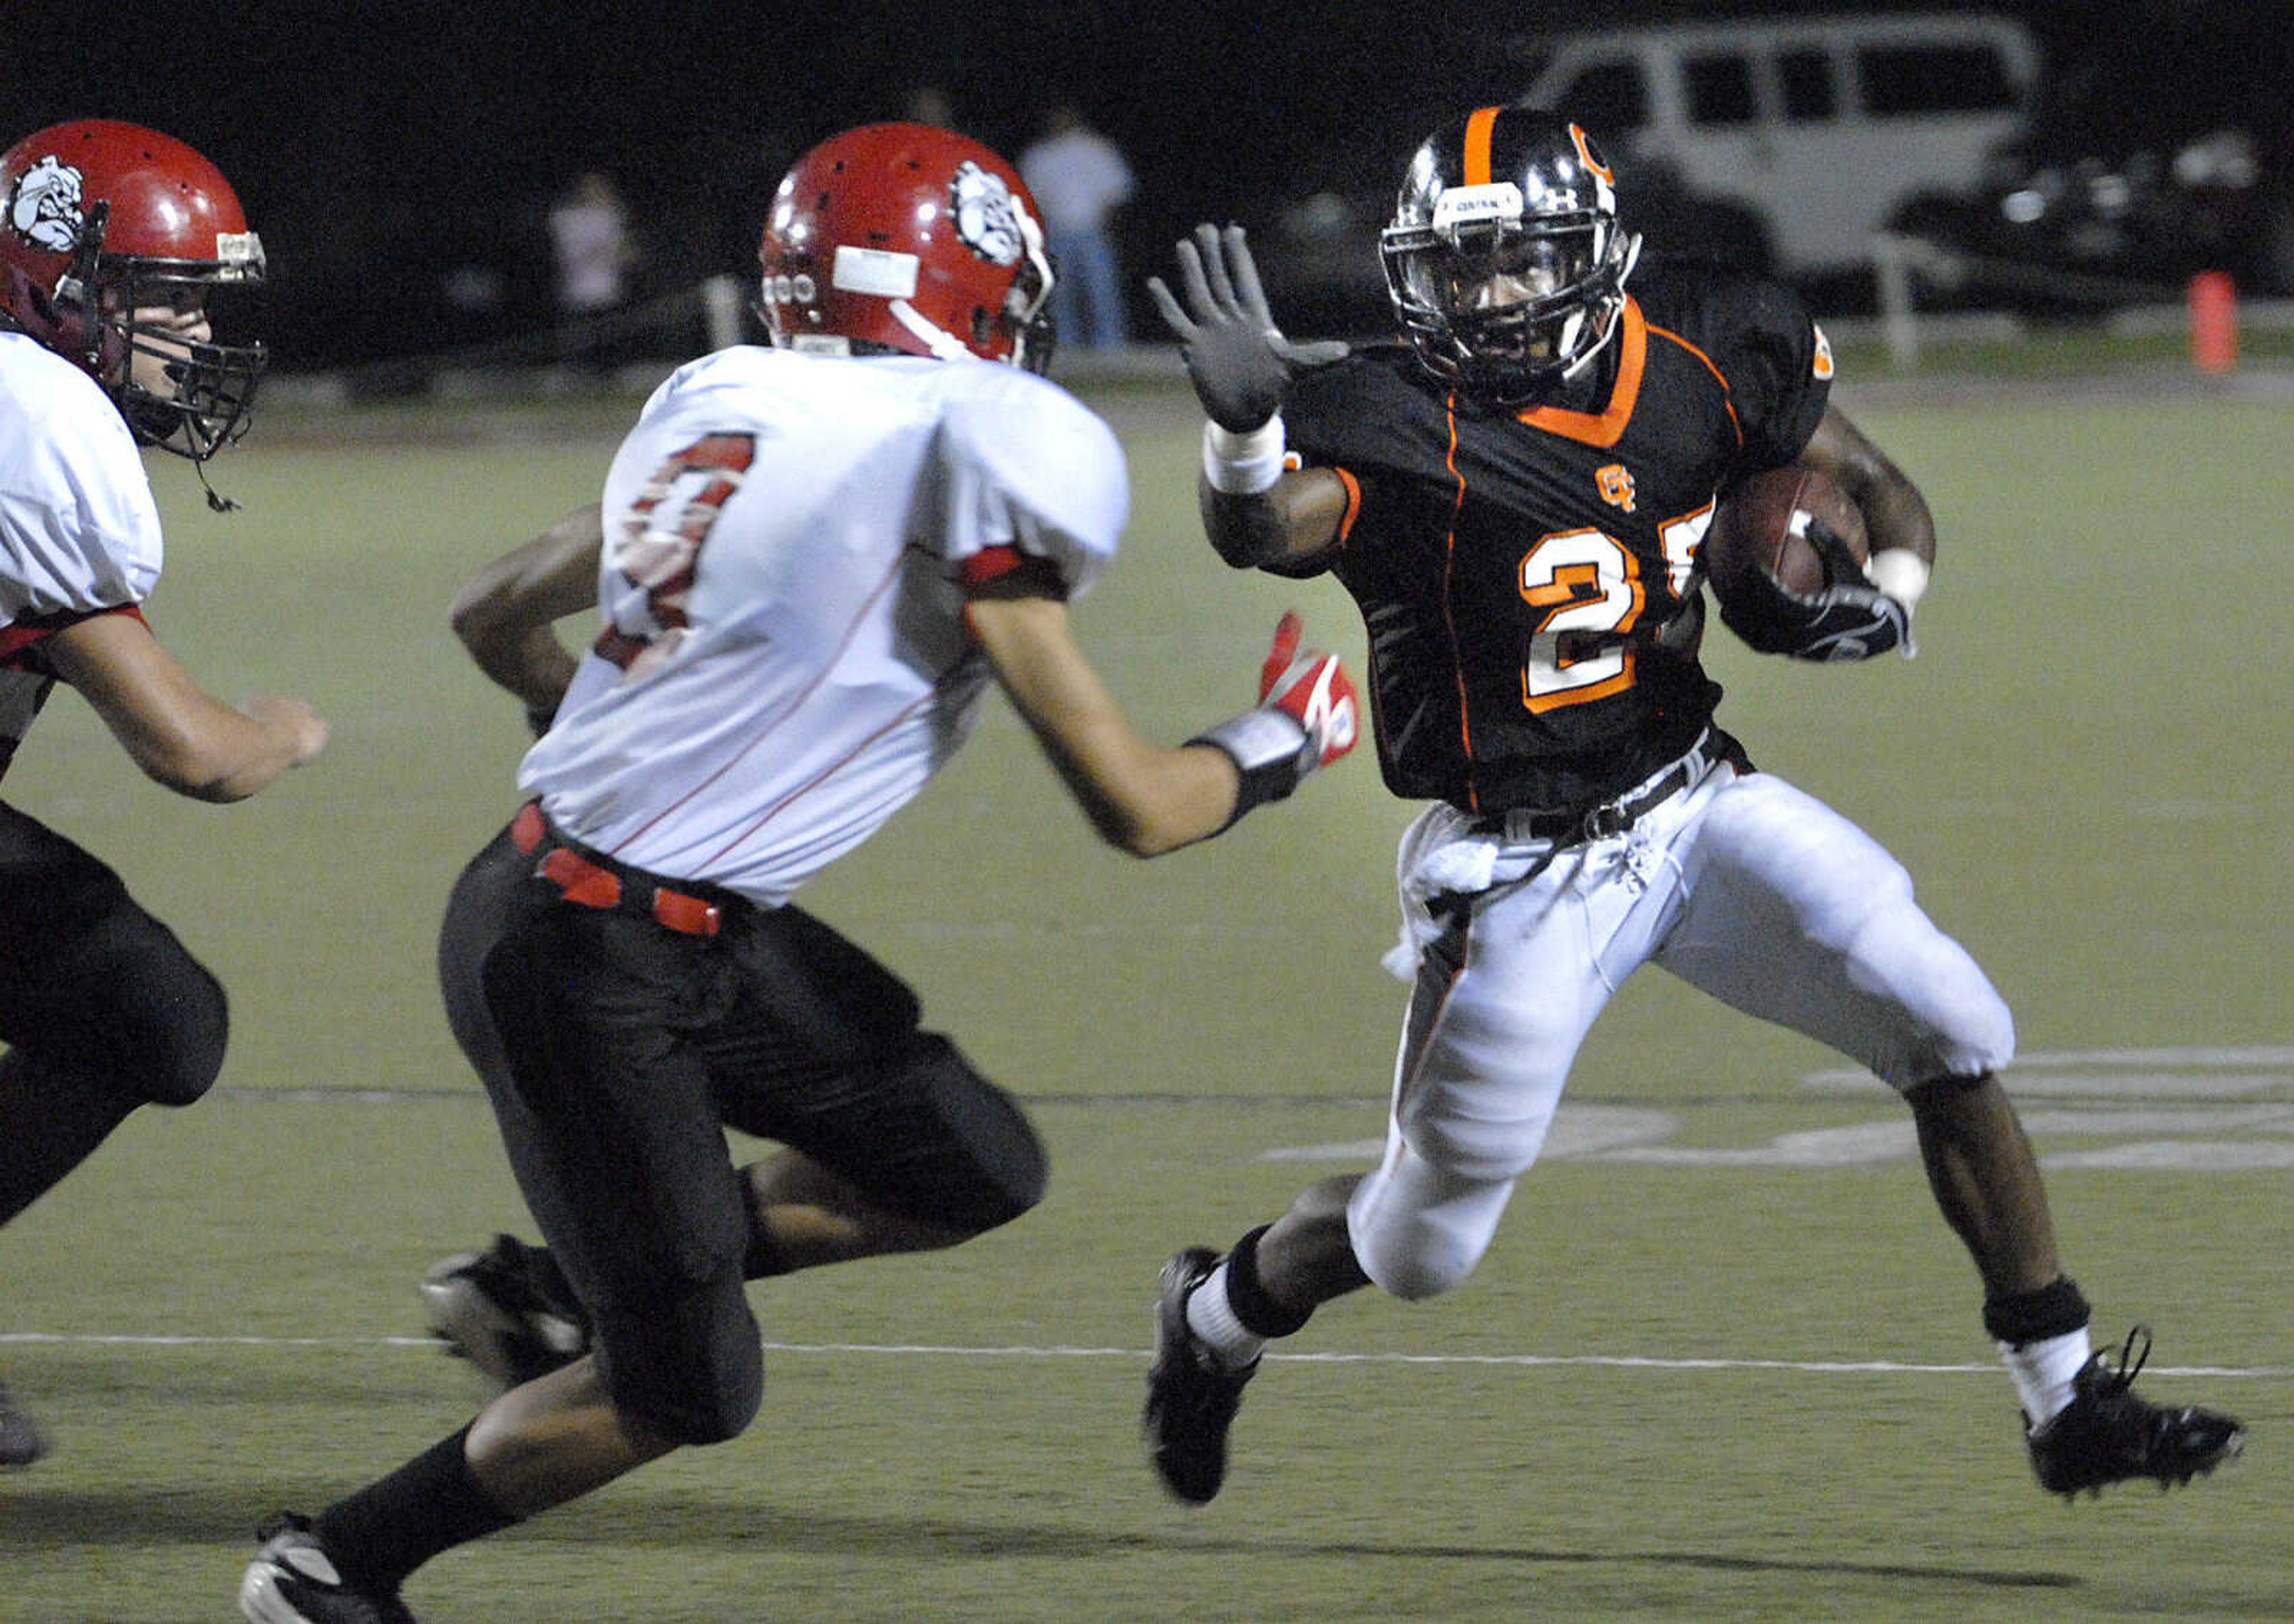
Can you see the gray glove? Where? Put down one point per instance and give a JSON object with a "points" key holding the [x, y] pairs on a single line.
{"points": [[1237, 360]]}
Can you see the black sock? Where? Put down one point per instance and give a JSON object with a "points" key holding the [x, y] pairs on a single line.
{"points": [[1260, 1314], [390, 1527], [2053, 1309]]}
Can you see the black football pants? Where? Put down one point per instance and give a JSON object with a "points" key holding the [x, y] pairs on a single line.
{"points": [[101, 1008], [616, 1052]]}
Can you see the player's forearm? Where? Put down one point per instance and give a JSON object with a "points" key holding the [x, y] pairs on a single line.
{"points": [[532, 665], [213, 752], [277, 743], [1296, 519], [177, 733], [1142, 799], [1244, 531], [1896, 515], [505, 614], [1896, 518]]}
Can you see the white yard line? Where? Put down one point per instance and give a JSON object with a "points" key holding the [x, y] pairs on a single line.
{"points": [[919, 1350]]}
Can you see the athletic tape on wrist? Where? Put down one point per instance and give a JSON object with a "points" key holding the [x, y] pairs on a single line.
{"points": [[1243, 464], [1271, 749], [1899, 572]]}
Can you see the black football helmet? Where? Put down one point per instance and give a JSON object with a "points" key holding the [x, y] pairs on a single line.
{"points": [[1505, 261]]}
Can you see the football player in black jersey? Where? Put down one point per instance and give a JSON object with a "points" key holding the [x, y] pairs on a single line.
{"points": [[1516, 498]]}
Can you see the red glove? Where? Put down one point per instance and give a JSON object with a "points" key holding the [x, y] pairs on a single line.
{"points": [[1312, 689], [1306, 718]]}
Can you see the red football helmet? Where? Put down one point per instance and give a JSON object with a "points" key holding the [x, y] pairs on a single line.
{"points": [[902, 236], [104, 219]]}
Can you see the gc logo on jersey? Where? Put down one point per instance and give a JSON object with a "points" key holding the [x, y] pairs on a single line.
{"points": [[44, 209], [1616, 486]]}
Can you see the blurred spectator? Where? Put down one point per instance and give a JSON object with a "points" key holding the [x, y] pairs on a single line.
{"points": [[930, 105], [1079, 178], [476, 293], [589, 228]]}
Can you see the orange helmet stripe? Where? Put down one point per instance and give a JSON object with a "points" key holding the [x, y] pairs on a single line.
{"points": [[1477, 145]]}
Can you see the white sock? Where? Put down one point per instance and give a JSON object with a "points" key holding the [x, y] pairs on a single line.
{"points": [[2043, 1372], [1211, 1318]]}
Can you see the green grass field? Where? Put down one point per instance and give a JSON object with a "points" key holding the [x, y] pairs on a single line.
{"points": [[1724, 1362]]}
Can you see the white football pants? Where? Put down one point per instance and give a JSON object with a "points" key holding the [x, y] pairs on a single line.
{"points": [[1740, 885]]}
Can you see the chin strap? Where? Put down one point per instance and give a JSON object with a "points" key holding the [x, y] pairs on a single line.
{"points": [[938, 339], [217, 502]]}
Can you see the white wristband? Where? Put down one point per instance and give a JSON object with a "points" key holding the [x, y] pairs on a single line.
{"points": [[1899, 572], [1243, 464]]}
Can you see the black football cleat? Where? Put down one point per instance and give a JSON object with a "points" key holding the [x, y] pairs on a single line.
{"points": [[292, 1580], [507, 1310], [23, 1440], [1191, 1398], [2107, 1435]]}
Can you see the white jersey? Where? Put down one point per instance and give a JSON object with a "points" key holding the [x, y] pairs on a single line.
{"points": [[784, 662], [80, 534]]}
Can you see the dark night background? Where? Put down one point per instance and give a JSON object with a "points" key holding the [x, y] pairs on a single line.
{"points": [[378, 146]]}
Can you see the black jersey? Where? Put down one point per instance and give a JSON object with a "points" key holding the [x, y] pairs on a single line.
{"points": [[1530, 581]]}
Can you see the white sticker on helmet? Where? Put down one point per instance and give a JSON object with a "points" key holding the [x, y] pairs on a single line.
{"points": [[240, 254], [44, 209], [873, 271], [1464, 206], [988, 217]]}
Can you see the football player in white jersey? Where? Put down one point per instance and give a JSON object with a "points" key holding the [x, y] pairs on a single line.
{"points": [[810, 562], [112, 239]]}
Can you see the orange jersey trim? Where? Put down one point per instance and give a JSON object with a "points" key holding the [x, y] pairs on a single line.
{"points": [[1354, 504], [1603, 428], [1449, 619]]}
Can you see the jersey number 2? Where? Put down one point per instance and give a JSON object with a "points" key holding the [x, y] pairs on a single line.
{"points": [[1586, 588]]}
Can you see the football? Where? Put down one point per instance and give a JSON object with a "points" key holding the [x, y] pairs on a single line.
{"points": [[1761, 524]]}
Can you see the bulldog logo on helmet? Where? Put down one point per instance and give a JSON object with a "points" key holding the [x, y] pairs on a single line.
{"points": [[44, 209], [986, 214]]}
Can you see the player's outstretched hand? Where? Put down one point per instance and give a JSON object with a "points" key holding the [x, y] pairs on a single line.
{"points": [[1312, 689], [1237, 360]]}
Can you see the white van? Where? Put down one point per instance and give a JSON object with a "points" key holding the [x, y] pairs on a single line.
{"points": [[1817, 127]]}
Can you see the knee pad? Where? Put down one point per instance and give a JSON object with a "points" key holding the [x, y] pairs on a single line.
{"points": [[1958, 1025], [689, 1364], [188, 1038], [162, 1023], [995, 1168], [1418, 1231]]}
